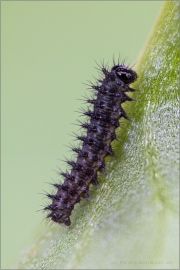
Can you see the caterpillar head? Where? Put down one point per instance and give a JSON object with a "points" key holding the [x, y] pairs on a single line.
{"points": [[125, 74]]}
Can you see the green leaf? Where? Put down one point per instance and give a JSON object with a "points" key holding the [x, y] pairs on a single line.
{"points": [[132, 219]]}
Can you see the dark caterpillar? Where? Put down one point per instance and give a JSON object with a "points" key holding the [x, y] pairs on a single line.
{"points": [[104, 119]]}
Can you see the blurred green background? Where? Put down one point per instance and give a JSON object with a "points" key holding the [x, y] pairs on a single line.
{"points": [[48, 50]]}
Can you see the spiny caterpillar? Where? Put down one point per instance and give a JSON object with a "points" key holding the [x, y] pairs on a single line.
{"points": [[96, 145]]}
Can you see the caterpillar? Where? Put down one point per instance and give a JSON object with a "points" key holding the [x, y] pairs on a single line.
{"points": [[110, 93]]}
